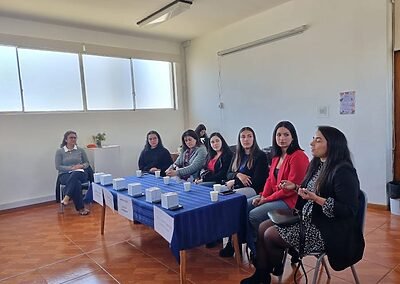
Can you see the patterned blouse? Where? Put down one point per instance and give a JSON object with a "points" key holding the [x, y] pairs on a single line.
{"points": [[313, 240]]}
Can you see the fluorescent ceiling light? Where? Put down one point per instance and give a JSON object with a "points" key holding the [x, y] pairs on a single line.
{"points": [[165, 13]]}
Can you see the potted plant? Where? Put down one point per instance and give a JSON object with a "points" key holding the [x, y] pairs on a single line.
{"points": [[98, 138]]}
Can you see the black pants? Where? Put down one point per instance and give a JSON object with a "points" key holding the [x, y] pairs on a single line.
{"points": [[73, 186]]}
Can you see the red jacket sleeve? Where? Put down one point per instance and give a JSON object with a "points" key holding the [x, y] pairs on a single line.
{"points": [[294, 170]]}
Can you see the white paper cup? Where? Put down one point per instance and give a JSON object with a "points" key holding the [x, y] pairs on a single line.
{"points": [[214, 196], [186, 186], [217, 187], [166, 180], [157, 174], [138, 173]]}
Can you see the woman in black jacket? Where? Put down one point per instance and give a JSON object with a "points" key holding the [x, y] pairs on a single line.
{"points": [[202, 134], [248, 172], [218, 160], [154, 156], [249, 168], [329, 204]]}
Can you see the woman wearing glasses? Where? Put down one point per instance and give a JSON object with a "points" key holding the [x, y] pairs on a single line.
{"points": [[71, 162]]}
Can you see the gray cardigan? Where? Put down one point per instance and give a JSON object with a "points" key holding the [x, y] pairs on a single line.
{"points": [[196, 162]]}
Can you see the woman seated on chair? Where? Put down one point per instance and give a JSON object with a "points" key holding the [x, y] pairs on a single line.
{"points": [[154, 156], [218, 160], [71, 162], [248, 172], [202, 134], [329, 205], [289, 164], [191, 159], [249, 168]]}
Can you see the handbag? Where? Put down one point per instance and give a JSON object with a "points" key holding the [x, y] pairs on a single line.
{"points": [[284, 217], [204, 173]]}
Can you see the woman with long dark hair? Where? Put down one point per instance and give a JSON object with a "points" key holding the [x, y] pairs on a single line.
{"points": [[249, 167], [191, 159], [248, 171], [202, 134], [71, 162], [329, 204], [289, 164], [154, 156], [218, 160]]}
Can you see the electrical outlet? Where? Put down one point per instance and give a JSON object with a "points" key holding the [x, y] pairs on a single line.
{"points": [[323, 111]]}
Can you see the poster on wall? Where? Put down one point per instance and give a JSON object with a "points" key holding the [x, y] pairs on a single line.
{"points": [[348, 102]]}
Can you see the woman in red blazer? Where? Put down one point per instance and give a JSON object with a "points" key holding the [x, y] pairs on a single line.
{"points": [[289, 163]]}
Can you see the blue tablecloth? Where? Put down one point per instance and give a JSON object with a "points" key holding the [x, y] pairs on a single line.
{"points": [[200, 221]]}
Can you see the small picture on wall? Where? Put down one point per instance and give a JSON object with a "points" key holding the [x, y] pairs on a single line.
{"points": [[348, 102]]}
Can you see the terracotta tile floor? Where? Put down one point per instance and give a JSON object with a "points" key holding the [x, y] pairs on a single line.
{"points": [[39, 245]]}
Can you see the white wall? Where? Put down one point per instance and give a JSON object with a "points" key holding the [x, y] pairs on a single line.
{"points": [[347, 47], [29, 141]]}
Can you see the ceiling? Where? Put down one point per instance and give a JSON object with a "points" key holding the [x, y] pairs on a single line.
{"points": [[120, 16]]}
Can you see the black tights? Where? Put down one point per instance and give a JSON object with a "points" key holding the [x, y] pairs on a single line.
{"points": [[270, 246]]}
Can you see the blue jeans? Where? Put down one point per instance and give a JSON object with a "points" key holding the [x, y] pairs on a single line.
{"points": [[259, 214]]}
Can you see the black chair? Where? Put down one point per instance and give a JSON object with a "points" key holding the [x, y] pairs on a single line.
{"points": [[233, 149], [363, 202], [268, 152], [85, 187]]}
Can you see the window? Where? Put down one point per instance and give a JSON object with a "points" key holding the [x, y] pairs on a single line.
{"points": [[153, 83], [43, 80], [10, 96], [108, 83], [50, 80]]}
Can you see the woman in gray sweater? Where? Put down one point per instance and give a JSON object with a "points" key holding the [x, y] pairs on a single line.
{"points": [[71, 162], [191, 159]]}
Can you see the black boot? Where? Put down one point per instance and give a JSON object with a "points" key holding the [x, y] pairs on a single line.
{"points": [[228, 250], [259, 276], [294, 254], [253, 257], [278, 270]]}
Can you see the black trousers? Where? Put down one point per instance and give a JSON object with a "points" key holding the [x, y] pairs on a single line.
{"points": [[73, 186]]}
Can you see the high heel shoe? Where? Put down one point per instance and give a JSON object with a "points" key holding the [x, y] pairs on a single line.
{"points": [[278, 270], [295, 256], [227, 251]]}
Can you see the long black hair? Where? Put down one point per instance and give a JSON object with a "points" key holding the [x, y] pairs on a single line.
{"points": [[240, 150], [192, 134], [147, 145], [64, 141], [276, 150], [199, 128], [338, 153], [224, 146]]}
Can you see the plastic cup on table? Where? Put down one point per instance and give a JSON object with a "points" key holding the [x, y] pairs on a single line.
{"points": [[186, 186], [166, 180], [217, 187], [214, 196]]}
